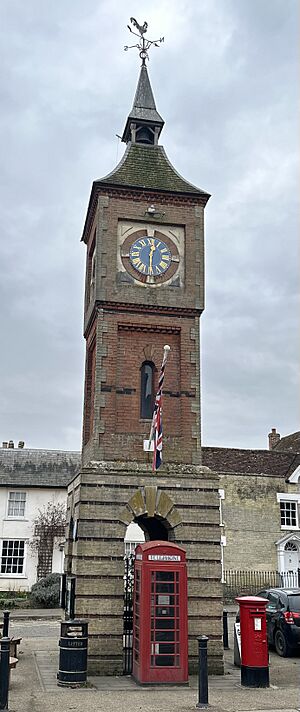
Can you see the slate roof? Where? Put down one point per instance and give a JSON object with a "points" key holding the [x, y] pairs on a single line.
{"points": [[144, 166], [289, 442], [37, 468], [56, 468], [255, 462]]}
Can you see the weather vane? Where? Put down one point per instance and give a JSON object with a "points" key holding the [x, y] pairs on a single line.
{"points": [[144, 44]]}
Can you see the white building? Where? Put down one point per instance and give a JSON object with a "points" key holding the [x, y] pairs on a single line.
{"points": [[29, 480]]}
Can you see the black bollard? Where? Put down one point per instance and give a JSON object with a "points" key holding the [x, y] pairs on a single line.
{"points": [[225, 631], [5, 624], [4, 672], [202, 672]]}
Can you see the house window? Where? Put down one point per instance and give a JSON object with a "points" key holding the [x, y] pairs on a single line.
{"points": [[288, 514], [16, 504], [147, 389], [12, 558]]}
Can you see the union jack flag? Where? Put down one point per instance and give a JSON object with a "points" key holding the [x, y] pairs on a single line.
{"points": [[156, 433]]}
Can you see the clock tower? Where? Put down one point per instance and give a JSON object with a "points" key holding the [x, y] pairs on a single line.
{"points": [[144, 237], [144, 288]]}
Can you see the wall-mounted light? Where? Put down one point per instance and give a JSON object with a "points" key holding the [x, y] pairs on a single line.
{"points": [[151, 212]]}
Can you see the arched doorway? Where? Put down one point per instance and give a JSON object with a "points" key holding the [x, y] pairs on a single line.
{"points": [[154, 528], [291, 556], [291, 563], [142, 528], [288, 549]]}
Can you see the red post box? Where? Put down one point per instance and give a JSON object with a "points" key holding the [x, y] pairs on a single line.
{"points": [[254, 642], [160, 640]]}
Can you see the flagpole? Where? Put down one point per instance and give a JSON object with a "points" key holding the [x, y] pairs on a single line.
{"points": [[156, 425]]}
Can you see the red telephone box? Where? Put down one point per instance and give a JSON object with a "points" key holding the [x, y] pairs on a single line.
{"points": [[254, 643], [160, 640]]}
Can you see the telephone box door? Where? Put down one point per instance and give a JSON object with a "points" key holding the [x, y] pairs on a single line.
{"points": [[160, 652]]}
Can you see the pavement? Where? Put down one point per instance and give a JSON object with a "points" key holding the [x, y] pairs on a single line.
{"points": [[33, 686]]}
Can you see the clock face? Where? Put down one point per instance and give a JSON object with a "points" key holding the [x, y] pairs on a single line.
{"points": [[149, 256]]}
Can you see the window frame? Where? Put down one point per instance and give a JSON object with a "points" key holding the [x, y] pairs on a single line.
{"points": [[284, 499], [142, 398], [288, 511], [13, 574], [13, 502]]}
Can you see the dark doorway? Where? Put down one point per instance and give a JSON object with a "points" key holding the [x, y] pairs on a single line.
{"points": [[153, 528]]}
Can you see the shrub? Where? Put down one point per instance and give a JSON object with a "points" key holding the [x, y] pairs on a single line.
{"points": [[45, 593]]}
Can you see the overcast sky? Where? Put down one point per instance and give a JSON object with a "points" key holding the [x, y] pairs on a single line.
{"points": [[226, 83]]}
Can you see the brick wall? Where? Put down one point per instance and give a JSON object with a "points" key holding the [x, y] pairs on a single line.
{"points": [[129, 321], [123, 343]]}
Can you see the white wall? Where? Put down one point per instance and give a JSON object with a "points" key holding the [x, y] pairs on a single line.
{"points": [[22, 528], [134, 535]]}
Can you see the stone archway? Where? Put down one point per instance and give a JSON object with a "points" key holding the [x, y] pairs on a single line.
{"points": [[154, 510]]}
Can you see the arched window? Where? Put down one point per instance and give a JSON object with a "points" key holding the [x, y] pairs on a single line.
{"points": [[147, 389]]}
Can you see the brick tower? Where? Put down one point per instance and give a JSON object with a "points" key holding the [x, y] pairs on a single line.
{"points": [[144, 236]]}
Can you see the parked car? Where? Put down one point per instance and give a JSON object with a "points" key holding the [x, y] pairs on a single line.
{"points": [[283, 618]]}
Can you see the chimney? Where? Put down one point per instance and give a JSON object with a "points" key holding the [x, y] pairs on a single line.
{"points": [[21, 444], [4, 445], [11, 444], [274, 438]]}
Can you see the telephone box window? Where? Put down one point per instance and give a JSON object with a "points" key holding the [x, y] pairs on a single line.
{"points": [[137, 588], [165, 619], [147, 390]]}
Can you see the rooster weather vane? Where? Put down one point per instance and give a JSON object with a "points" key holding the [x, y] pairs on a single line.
{"points": [[144, 44]]}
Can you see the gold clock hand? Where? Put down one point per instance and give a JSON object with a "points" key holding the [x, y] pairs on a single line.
{"points": [[152, 249]]}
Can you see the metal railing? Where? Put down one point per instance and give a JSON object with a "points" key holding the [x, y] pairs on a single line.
{"points": [[243, 583]]}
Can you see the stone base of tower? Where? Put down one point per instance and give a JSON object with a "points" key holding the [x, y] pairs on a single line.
{"points": [[103, 499]]}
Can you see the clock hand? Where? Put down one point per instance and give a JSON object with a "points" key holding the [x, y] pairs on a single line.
{"points": [[152, 249]]}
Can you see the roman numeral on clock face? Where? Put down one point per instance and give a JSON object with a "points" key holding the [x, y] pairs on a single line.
{"points": [[150, 256]]}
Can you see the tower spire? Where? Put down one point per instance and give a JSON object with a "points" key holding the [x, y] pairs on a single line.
{"points": [[144, 123]]}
